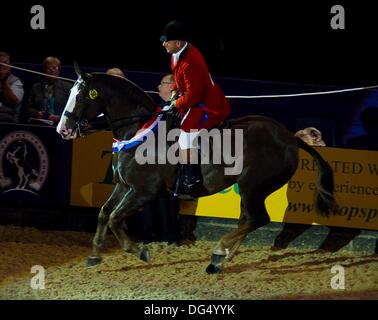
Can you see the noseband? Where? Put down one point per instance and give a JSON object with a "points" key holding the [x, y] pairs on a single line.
{"points": [[81, 122]]}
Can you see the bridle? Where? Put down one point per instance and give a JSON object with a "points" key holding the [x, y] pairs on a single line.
{"points": [[83, 125], [80, 121]]}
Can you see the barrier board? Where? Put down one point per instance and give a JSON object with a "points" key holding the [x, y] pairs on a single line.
{"points": [[356, 187]]}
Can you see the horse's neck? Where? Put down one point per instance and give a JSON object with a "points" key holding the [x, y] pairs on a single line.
{"points": [[120, 116], [126, 132], [131, 125]]}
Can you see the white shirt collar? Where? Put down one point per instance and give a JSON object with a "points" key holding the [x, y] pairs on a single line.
{"points": [[176, 55]]}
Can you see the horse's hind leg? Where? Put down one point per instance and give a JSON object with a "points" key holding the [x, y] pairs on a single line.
{"points": [[25, 181], [21, 178], [102, 226], [253, 216]]}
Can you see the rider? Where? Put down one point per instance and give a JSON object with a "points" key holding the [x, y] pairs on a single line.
{"points": [[199, 100]]}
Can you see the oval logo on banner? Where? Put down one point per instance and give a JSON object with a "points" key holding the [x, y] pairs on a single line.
{"points": [[24, 162]]}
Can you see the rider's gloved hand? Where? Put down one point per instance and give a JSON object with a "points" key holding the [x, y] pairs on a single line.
{"points": [[173, 112], [171, 107], [173, 104], [174, 95]]}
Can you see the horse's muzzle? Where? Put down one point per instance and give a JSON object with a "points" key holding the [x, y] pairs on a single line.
{"points": [[68, 134]]}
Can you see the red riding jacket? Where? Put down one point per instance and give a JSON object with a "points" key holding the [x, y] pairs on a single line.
{"points": [[195, 85]]}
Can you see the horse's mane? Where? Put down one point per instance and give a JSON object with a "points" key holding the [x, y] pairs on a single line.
{"points": [[132, 90]]}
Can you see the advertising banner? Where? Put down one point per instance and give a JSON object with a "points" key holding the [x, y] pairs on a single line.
{"points": [[356, 187], [35, 164], [92, 176], [356, 192]]}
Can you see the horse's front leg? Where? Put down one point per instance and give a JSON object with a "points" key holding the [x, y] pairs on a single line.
{"points": [[128, 205], [102, 225]]}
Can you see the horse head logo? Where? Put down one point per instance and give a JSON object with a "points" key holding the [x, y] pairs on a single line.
{"points": [[24, 162], [18, 157]]}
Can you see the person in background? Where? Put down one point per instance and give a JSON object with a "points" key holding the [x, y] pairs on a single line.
{"points": [[116, 72], [48, 97], [165, 87], [368, 141], [11, 92], [311, 136]]}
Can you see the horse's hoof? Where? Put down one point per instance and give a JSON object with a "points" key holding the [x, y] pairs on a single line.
{"points": [[211, 269], [217, 259], [144, 255], [93, 261]]}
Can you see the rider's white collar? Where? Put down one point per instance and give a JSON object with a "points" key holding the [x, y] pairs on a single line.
{"points": [[176, 55]]}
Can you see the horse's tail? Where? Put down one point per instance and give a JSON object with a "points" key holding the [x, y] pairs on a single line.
{"points": [[325, 202]]}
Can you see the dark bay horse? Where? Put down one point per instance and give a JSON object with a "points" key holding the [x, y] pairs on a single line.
{"points": [[270, 159]]}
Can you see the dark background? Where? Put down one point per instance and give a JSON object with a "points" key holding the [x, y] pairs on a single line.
{"points": [[264, 40]]}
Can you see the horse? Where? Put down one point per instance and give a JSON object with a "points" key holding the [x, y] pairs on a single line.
{"points": [[270, 159]]}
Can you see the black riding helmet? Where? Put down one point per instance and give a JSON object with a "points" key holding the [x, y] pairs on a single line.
{"points": [[174, 30]]}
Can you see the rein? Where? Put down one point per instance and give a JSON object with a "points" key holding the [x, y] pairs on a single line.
{"points": [[82, 123], [137, 119]]}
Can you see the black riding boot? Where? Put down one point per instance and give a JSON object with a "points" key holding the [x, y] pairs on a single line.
{"points": [[188, 179]]}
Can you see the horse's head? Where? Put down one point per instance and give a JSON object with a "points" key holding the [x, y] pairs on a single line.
{"points": [[18, 152], [84, 106], [123, 103]]}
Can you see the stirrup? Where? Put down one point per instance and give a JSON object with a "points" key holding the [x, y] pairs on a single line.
{"points": [[185, 192], [188, 179]]}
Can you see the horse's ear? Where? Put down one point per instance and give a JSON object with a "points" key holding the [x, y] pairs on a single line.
{"points": [[77, 69]]}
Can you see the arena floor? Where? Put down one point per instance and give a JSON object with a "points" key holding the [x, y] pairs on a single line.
{"points": [[175, 272]]}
